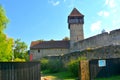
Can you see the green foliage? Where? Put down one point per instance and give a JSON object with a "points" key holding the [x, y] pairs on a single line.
{"points": [[19, 60], [26, 56], [66, 38], [3, 20], [6, 43], [52, 40], [20, 49], [41, 40], [51, 66], [64, 75], [73, 66], [44, 64], [55, 66], [110, 78]]}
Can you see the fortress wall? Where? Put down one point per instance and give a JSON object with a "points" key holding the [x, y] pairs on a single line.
{"points": [[100, 40], [92, 42], [106, 52], [105, 46], [115, 37]]}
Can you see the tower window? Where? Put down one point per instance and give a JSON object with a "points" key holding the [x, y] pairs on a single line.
{"points": [[77, 37], [38, 50]]}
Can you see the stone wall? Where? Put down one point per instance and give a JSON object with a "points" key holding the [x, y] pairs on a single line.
{"points": [[106, 52], [93, 43], [47, 52], [99, 40]]}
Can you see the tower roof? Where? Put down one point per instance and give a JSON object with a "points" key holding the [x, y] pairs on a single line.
{"points": [[75, 12]]}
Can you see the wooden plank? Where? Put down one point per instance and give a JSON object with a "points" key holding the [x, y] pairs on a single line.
{"points": [[84, 70], [19, 71]]}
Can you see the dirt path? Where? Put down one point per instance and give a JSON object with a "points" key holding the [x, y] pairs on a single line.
{"points": [[47, 78]]}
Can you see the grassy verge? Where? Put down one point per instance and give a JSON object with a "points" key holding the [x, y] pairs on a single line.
{"points": [[110, 78], [59, 76]]}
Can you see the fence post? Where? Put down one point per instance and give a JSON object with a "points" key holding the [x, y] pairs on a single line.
{"points": [[84, 70]]}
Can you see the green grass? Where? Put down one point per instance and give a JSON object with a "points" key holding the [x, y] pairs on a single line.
{"points": [[60, 75], [110, 78]]}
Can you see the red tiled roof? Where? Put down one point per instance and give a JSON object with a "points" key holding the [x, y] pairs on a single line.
{"points": [[49, 44], [75, 12]]}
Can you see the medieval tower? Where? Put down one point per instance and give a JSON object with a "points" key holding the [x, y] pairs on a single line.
{"points": [[40, 49], [75, 24]]}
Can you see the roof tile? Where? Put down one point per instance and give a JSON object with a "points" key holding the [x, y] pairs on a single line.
{"points": [[49, 44], [75, 12]]}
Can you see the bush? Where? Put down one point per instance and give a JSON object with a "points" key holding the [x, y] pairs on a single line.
{"points": [[55, 66], [51, 66], [73, 66], [19, 60], [44, 64]]}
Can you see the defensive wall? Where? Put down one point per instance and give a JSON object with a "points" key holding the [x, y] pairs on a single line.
{"points": [[101, 46], [100, 40], [106, 52]]}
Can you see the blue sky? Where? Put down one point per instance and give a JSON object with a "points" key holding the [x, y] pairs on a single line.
{"points": [[32, 20]]}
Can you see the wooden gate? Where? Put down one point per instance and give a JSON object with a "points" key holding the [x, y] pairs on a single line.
{"points": [[19, 70], [104, 68]]}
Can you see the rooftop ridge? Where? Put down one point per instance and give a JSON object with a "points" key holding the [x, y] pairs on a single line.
{"points": [[50, 44], [75, 12]]}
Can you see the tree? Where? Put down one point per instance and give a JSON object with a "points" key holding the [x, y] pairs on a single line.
{"points": [[6, 43], [66, 39], [20, 49], [52, 40], [41, 40]]}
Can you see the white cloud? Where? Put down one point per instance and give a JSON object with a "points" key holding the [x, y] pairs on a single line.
{"points": [[103, 13], [110, 3], [54, 3], [64, 0], [96, 26], [106, 2]]}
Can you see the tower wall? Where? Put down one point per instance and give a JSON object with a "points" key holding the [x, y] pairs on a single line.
{"points": [[75, 24], [76, 33]]}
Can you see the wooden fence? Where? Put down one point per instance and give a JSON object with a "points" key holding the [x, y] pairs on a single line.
{"points": [[19, 70], [104, 68]]}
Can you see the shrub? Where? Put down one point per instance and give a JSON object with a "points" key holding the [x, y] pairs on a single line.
{"points": [[55, 66], [19, 60], [73, 66], [51, 66], [44, 64]]}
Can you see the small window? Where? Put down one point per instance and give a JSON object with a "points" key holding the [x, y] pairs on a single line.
{"points": [[77, 38], [38, 50]]}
